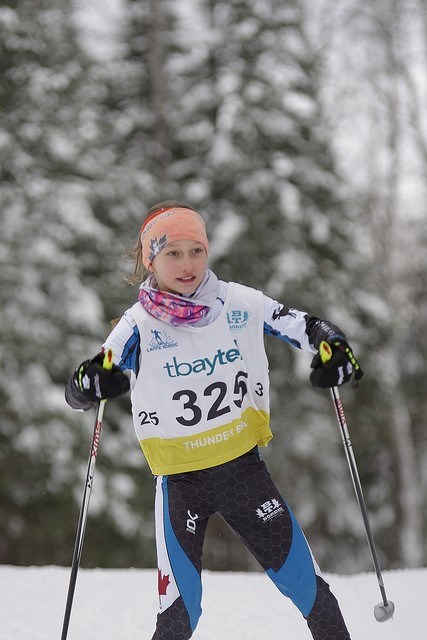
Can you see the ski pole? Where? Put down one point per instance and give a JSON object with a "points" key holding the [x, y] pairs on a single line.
{"points": [[385, 610], [81, 527]]}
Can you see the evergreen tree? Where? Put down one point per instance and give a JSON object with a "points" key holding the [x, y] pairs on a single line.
{"points": [[228, 106], [54, 246], [374, 97]]}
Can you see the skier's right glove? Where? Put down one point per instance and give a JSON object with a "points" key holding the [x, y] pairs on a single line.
{"points": [[97, 383]]}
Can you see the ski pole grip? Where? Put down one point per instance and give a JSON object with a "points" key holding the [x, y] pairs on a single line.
{"points": [[107, 363], [325, 352]]}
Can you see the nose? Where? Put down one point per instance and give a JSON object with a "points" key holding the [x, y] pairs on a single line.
{"points": [[186, 265]]}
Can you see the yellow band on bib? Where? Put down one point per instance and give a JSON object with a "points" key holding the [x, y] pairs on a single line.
{"points": [[208, 448]]}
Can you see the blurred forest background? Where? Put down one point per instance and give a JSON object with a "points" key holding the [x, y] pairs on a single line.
{"points": [[299, 129]]}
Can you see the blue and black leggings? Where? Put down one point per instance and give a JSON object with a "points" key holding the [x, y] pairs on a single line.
{"points": [[243, 493]]}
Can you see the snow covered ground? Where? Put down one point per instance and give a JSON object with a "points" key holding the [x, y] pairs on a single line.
{"points": [[117, 604]]}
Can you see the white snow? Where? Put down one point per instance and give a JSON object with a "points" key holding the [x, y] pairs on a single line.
{"points": [[121, 604]]}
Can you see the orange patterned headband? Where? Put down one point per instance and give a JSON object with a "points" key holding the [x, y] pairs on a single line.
{"points": [[169, 225]]}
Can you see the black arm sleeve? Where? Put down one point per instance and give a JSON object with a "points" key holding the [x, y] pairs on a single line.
{"points": [[318, 330]]}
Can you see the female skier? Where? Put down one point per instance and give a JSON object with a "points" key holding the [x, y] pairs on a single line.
{"points": [[200, 401]]}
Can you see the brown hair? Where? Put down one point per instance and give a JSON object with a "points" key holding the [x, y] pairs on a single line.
{"points": [[135, 253]]}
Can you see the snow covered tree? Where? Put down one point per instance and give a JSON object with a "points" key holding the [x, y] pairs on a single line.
{"points": [[374, 91], [54, 246], [244, 110]]}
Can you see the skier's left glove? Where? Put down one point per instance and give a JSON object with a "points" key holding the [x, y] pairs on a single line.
{"points": [[97, 383], [334, 363]]}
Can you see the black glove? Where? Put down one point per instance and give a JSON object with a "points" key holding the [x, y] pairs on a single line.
{"points": [[333, 364], [97, 383]]}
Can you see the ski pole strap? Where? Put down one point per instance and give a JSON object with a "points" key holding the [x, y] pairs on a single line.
{"points": [[326, 349]]}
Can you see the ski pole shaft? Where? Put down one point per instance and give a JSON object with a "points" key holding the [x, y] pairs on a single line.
{"points": [[385, 610], [345, 435], [84, 508]]}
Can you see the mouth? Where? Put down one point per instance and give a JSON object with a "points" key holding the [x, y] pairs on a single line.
{"points": [[187, 279]]}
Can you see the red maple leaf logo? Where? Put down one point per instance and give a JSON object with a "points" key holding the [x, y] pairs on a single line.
{"points": [[163, 583]]}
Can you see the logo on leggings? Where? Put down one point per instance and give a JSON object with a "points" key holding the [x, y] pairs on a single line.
{"points": [[191, 522], [269, 510], [162, 582]]}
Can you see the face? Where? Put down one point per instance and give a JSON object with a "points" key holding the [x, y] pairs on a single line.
{"points": [[180, 266]]}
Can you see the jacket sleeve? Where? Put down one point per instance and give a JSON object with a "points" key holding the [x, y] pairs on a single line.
{"points": [[298, 328], [125, 343]]}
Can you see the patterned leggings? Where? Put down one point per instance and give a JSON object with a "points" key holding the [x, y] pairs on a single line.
{"points": [[244, 494]]}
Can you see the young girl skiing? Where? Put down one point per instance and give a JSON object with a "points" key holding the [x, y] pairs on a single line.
{"points": [[200, 401]]}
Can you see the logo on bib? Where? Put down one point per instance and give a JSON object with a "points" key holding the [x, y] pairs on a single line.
{"points": [[237, 319], [176, 369], [160, 340]]}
